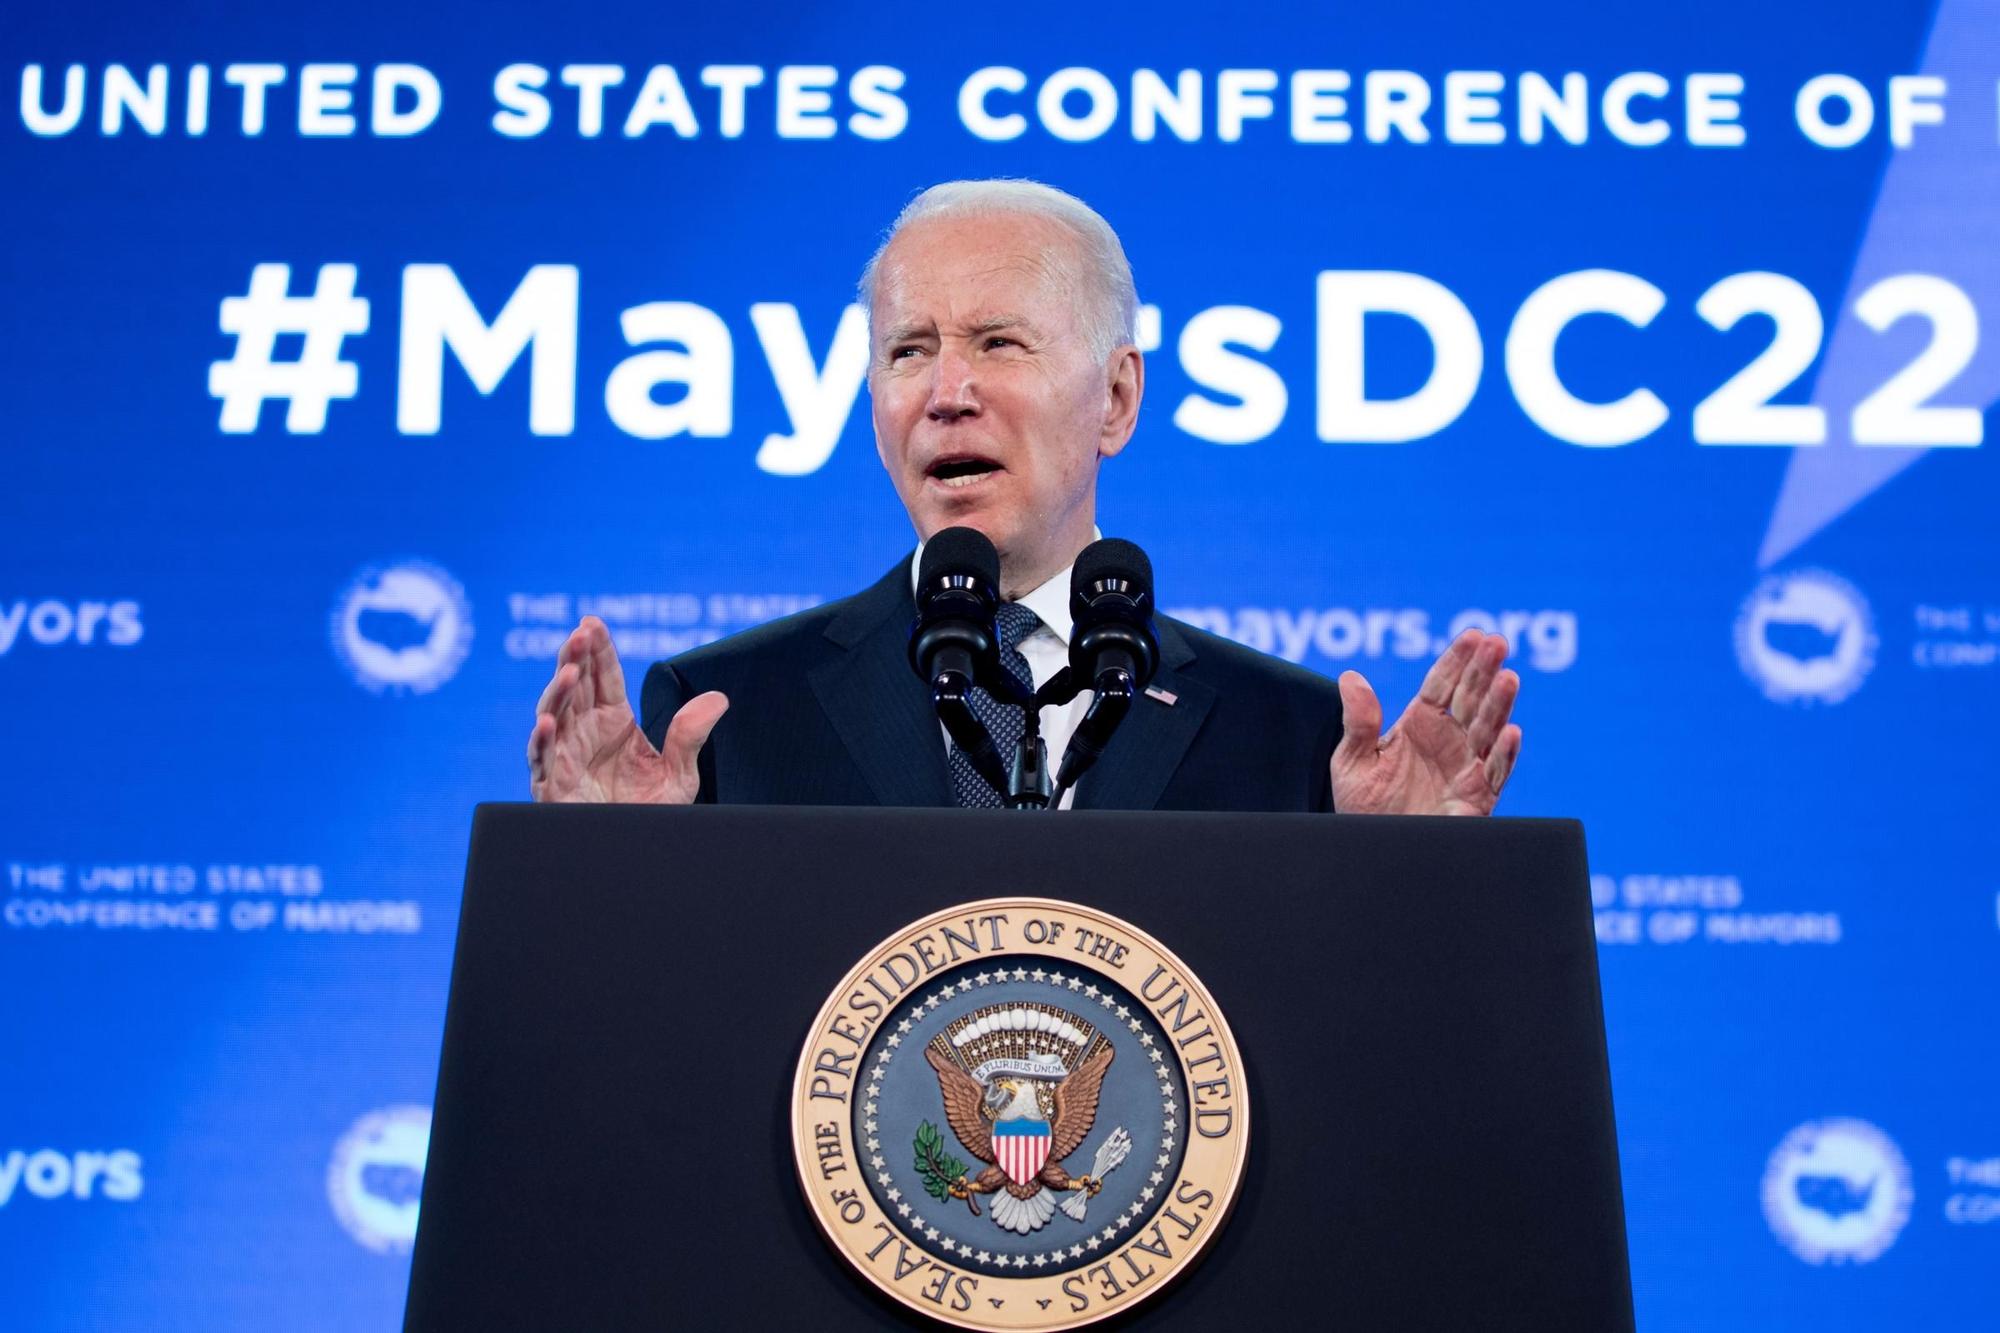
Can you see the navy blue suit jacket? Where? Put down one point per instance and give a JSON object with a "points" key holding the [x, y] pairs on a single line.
{"points": [[825, 710]]}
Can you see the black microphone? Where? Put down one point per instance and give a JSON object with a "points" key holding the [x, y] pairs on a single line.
{"points": [[1112, 648], [953, 645], [1111, 605], [958, 590]]}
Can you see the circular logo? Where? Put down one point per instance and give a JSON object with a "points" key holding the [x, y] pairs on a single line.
{"points": [[377, 1175], [1837, 1191], [404, 627], [1020, 1114], [1806, 637]]}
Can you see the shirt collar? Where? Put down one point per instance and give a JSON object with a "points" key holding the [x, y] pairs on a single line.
{"points": [[1049, 602]]}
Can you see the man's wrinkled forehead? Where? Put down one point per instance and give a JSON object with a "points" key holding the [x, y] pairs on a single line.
{"points": [[957, 277], [923, 326]]}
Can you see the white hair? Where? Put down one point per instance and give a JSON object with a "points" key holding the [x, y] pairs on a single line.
{"points": [[1098, 278]]}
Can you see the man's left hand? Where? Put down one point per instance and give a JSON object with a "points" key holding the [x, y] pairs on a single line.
{"points": [[1450, 752]]}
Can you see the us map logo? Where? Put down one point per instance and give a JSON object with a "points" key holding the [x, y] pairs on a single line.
{"points": [[403, 628], [1837, 1191], [1806, 637], [375, 1179], [1020, 1113]]}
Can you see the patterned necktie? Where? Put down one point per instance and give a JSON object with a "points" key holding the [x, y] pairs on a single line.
{"points": [[1003, 722]]}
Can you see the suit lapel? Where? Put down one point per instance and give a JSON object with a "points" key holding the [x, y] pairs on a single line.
{"points": [[1154, 737], [878, 707]]}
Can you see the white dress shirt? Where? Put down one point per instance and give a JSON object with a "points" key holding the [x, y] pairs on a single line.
{"points": [[1047, 652]]}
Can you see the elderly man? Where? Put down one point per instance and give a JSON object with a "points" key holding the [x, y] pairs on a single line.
{"points": [[1002, 375]]}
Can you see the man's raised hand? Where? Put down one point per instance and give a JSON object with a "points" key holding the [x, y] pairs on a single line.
{"points": [[1450, 752], [586, 745]]}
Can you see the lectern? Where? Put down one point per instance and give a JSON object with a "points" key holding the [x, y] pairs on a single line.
{"points": [[1415, 1001]]}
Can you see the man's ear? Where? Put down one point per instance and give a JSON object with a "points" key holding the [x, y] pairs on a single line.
{"points": [[868, 381], [1124, 386]]}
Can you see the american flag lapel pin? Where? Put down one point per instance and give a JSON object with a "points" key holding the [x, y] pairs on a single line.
{"points": [[1167, 697]]}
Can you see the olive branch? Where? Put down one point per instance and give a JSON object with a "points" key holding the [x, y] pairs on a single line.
{"points": [[938, 1169]]}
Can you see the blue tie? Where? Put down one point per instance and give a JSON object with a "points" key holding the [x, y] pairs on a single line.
{"points": [[1004, 722]]}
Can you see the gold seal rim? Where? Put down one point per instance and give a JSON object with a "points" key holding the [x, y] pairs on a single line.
{"points": [[1227, 1173]]}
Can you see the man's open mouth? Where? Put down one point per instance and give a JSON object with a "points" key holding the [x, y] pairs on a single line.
{"points": [[958, 472]]}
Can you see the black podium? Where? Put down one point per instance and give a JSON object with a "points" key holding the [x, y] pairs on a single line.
{"points": [[1416, 1003]]}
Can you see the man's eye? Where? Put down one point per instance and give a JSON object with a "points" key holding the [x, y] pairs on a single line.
{"points": [[899, 353], [998, 341]]}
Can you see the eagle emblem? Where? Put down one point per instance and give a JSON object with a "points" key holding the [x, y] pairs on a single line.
{"points": [[1020, 1084]]}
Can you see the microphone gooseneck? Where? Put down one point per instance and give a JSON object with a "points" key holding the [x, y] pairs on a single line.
{"points": [[1113, 651], [952, 645], [955, 649]]}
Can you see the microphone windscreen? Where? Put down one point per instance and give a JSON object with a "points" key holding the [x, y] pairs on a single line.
{"points": [[960, 551], [1112, 558]]}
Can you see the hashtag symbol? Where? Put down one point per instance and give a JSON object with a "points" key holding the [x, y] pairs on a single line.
{"points": [[317, 377]]}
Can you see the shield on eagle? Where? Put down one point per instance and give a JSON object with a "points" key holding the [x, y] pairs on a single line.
{"points": [[1020, 1147]]}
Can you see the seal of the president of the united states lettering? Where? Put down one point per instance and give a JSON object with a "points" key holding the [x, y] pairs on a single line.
{"points": [[1020, 1114]]}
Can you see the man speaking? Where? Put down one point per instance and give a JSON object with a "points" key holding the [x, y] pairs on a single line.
{"points": [[1002, 373]]}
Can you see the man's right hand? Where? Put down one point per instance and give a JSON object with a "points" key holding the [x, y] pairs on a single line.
{"points": [[586, 745]]}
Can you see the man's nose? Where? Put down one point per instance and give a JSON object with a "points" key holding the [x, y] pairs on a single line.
{"points": [[953, 393]]}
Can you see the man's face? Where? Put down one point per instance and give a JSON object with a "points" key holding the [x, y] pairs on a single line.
{"points": [[990, 411]]}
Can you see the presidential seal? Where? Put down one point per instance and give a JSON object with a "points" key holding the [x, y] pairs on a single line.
{"points": [[1020, 1114]]}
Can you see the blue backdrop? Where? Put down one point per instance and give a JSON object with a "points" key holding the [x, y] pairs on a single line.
{"points": [[351, 355]]}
